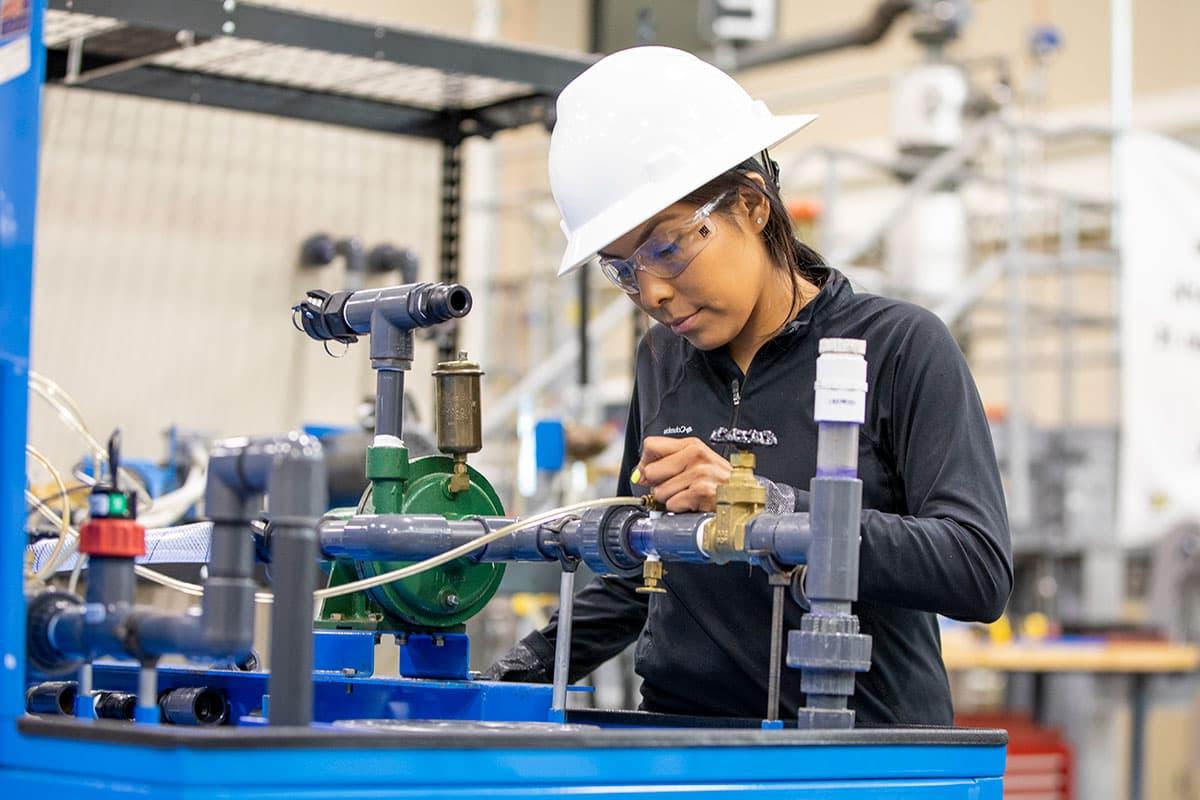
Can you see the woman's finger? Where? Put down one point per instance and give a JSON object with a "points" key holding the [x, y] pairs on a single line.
{"points": [[667, 467]]}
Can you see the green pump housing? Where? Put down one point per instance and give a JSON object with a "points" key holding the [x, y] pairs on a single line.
{"points": [[440, 599]]}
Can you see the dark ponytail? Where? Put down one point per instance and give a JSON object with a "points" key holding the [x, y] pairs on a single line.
{"points": [[800, 260]]}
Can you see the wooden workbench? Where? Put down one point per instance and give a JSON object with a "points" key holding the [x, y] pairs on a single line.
{"points": [[1138, 660], [1119, 657]]}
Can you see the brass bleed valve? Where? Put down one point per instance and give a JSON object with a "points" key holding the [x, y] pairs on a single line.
{"points": [[653, 570], [739, 500], [459, 416]]}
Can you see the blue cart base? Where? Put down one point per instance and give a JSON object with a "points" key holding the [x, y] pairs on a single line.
{"points": [[377, 737]]}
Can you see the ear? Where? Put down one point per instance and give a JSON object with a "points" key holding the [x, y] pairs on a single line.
{"points": [[755, 204]]}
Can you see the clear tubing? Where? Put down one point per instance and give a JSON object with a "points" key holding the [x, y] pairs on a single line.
{"points": [[73, 583], [837, 450], [69, 413], [63, 523], [52, 563]]}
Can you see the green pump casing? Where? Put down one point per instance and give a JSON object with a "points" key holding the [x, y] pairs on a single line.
{"points": [[438, 599]]}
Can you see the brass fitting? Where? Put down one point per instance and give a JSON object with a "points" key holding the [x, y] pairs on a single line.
{"points": [[650, 504], [739, 500], [460, 479], [652, 577], [458, 416]]}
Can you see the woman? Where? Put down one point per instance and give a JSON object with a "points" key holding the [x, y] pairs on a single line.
{"points": [[659, 167]]}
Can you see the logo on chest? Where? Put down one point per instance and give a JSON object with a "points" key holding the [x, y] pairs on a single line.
{"points": [[678, 430], [744, 437]]}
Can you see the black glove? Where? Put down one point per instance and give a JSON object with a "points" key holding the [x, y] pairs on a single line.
{"points": [[519, 665]]}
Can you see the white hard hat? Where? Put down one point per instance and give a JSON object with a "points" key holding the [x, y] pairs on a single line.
{"points": [[642, 128]]}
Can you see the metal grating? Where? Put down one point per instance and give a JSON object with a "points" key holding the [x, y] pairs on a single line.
{"points": [[267, 58], [60, 27], [316, 71]]}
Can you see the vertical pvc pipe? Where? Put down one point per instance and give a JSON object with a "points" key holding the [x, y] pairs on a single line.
{"points": [[85, 707], [147, 694]]}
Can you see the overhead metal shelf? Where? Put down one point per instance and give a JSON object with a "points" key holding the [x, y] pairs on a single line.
{"points": [[274, 60], [270, 59]]}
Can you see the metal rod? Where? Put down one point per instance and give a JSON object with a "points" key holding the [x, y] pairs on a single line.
{"points": [[773, 671], [911, 165], [1121, 104], [1068, 239], [562, 641], [74, 62], [451, 216], [582, 332], [1137, 734], [1018, 441]]}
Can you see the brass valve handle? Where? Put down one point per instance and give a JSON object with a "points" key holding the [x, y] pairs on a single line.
{"points": [[739, 500]]}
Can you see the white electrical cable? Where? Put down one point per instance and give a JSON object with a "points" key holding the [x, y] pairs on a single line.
{"points": [[196, 590], [469, 547]]}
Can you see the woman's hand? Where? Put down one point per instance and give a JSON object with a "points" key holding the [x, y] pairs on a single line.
{"points": [[683, 474]]}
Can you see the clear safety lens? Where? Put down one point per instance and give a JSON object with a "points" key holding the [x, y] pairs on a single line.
{"points": [[664, 254]]}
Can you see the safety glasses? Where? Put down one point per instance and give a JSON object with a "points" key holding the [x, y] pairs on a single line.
{"points": [[665, 253]]}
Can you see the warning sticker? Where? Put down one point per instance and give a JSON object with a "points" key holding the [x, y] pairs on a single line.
{"points": [[15, 49]]}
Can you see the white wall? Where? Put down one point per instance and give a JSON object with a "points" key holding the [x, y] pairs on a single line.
{"points": [[167, 263]]}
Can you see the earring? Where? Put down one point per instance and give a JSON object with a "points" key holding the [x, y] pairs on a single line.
{"points": [[759, 220]]}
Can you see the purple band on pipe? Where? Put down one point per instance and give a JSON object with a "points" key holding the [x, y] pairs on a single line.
{"points": [[837, 472]]}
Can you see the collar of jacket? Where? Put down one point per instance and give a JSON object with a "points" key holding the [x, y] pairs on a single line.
{"points": [[835, 289]]}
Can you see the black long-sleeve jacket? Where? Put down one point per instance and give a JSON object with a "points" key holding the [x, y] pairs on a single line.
{"points": [[935, 536]]}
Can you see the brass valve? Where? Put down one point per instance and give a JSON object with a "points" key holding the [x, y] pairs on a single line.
{"points": [[739, 500], [459, 426], [652, 577]]}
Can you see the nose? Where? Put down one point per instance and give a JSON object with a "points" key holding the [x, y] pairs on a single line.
{"points": [[654, 292]]}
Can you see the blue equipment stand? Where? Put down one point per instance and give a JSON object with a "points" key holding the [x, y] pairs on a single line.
{"points": [[616, 755]]}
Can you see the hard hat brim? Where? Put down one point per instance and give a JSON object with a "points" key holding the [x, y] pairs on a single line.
{"points": [[645, 201]]}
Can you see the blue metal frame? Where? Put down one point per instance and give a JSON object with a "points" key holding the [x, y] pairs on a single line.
{"points": [[343, 697], [20, 110], [841, 772]]}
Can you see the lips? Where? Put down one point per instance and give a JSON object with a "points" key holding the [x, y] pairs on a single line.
{"points": [[684, 324]]}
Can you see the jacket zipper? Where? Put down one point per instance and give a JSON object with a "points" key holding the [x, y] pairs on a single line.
{"points": [[736, 386]]}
